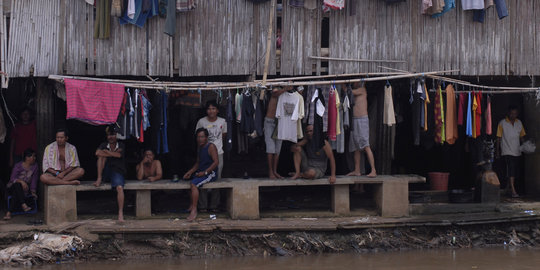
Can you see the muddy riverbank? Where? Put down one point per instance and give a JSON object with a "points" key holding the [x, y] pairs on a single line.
{"points": [[196, 244]]}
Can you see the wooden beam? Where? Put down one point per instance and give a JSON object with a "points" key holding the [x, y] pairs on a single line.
{"points": [[356, 60]]}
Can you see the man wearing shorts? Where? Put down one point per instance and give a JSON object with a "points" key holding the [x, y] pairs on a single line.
{"points": [[61, 164], [111, 167], [310, 163], [217, 130], [359, 140], [510, 133], [204, 170], [273, 146]]}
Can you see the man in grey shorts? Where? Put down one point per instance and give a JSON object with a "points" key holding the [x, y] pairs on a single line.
{"points": [[310, 163], [273, 146], [359, 140]]}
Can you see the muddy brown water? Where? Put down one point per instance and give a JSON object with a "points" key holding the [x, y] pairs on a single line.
{"points": [[486, 258]]}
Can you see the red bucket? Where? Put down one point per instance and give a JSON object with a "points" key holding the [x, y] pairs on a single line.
{"points": [[438, 180]]}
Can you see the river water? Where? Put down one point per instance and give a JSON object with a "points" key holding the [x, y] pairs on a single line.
{"points": [[486, 258]]}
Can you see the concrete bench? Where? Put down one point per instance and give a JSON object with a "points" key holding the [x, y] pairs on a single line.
{"points": [[391, 195], [61, 201]]}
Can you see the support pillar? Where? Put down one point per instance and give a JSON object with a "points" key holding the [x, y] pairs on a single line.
{"points": [[143, 203]]}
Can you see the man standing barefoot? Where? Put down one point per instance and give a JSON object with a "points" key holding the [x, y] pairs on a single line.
{"points": [[360, 135], [273, 146]]}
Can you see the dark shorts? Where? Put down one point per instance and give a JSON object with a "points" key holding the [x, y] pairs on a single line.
{"points": [[512, 164], [116, 178], [305, 166], [199, 181]]}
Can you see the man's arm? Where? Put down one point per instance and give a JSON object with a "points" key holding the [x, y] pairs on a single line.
{"points": [[328, 151], [65, 172], [140, 170], [357, 92], [192, 170], [276, 92], [108, 153]]}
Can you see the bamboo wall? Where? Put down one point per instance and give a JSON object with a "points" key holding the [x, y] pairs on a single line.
{"points": [[228, 37]]}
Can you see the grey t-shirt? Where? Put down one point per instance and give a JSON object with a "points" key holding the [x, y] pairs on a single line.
{"points": [[215, 131]]}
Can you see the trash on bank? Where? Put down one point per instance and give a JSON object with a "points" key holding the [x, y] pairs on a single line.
{"points": [[45, 248]]}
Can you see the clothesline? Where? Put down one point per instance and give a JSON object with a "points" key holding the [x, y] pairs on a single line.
{"points": [[331, 76], [226, 86], [504, 89], [357, 60], [494, 92]]}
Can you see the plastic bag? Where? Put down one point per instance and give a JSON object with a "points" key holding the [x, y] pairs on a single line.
{"points": [[528, 147]]}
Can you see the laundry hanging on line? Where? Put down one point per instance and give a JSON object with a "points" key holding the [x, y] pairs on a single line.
{"points": [[96, 103]]}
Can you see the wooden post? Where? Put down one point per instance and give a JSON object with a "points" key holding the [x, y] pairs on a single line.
{"points": [[44, 121], [268, 44]]}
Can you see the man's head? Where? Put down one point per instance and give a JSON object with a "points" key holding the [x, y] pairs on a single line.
{"points": [[61, 136], [309, 132], [513, 112], [149, 154], [26, 115], [202, 136], [211, 109], [111, 134]]}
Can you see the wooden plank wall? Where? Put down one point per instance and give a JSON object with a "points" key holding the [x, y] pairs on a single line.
{"points": [[228, 37], [453, 41], [158, 49], [301, 30], [260, 32], [377, 31], [79, 41], [215, 38], [33, 39]]}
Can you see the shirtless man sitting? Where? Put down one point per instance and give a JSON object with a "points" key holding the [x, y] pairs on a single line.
{"points": [[360, 131], [273, 146], [61, 164], [311, 164], [149, 168]]}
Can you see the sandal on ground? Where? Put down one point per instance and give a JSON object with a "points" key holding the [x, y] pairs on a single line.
{"points": [[7, 217], [27, 209]]}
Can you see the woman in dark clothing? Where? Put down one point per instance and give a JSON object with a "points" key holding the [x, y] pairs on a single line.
{"points": [[23, 182]]}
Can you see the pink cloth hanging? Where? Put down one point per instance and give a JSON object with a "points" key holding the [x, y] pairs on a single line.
{"points": [[96, 103]]}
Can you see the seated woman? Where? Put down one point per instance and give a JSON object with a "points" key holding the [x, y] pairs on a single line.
{"points": [[149, 168], [23, 182]]}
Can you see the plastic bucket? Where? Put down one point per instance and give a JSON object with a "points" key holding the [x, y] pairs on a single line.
{"points": [[438, 180]]}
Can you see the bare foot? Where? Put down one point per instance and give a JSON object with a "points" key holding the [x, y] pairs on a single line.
{"points": [[296, 176], [97, 183], [372, 174], [272, 175], [354, 173], [192, 216], [74, 182], [121, 217], [278, 176], [26, 208], [7, 216]]}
